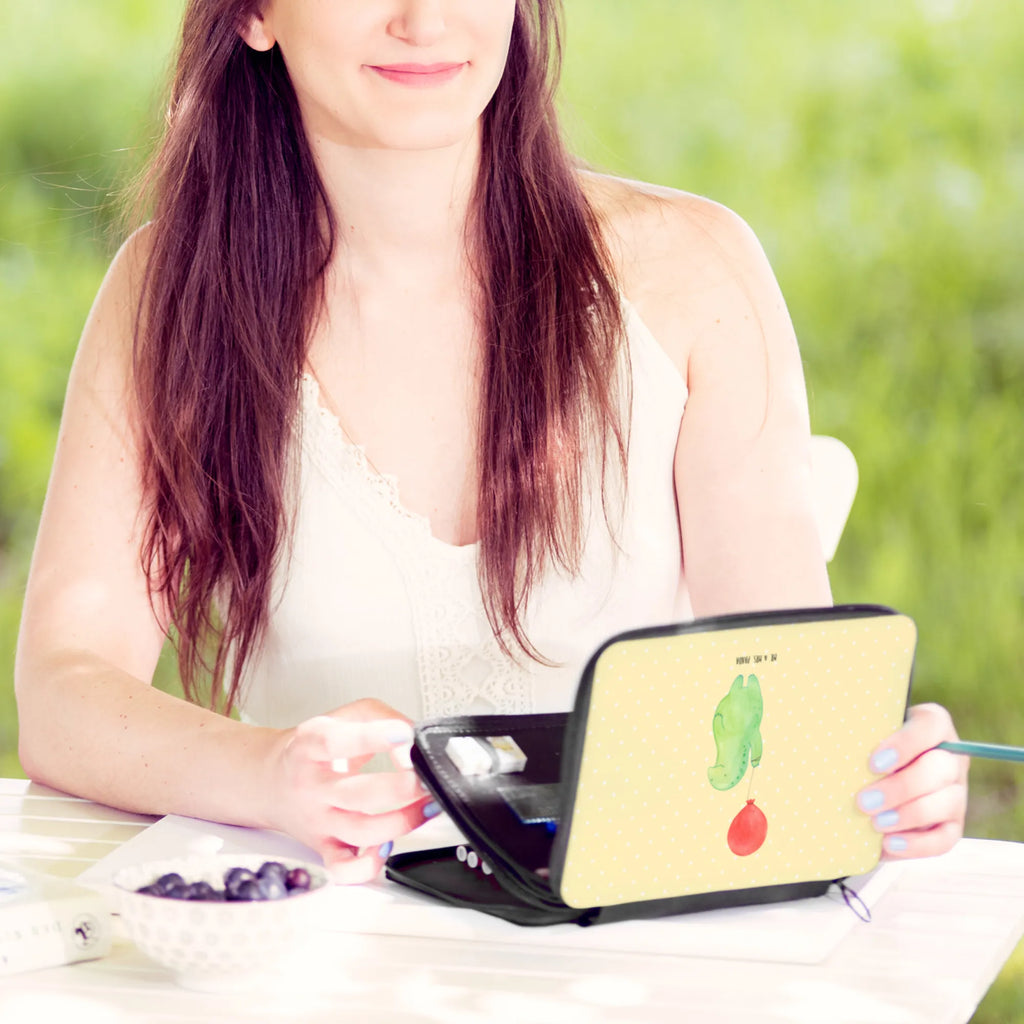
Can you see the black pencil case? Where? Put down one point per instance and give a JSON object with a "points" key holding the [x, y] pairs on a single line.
{"points": [[704, 765]]}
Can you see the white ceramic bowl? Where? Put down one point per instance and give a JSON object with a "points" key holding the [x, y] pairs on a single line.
{"points": [[217, 946]]}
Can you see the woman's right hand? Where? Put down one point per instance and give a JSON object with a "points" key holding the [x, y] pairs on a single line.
{"points": [[322, 799]]}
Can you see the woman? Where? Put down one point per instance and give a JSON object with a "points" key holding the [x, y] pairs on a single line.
{"points": [[372, 261]]}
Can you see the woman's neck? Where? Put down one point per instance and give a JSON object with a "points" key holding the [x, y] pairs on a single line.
{"points": [[399, 213]]}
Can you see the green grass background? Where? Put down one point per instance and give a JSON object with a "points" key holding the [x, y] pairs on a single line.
{"points": [[877, 149]]}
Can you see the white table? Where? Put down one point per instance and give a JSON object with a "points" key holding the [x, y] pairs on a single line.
{"points": [[938, 939]]}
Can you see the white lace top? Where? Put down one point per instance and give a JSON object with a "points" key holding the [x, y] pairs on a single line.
{"points": [[371, 604]]}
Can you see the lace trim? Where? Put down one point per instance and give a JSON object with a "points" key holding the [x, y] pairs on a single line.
{"points": [[332, 441], [461, 667]]}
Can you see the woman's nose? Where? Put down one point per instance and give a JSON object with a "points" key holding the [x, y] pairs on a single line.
{"points": [[419, 22]]}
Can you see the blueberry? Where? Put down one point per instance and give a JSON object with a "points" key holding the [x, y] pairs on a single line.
{"points": [[273, 881], [200, 891], [233, 876], [168, 881], [247, 890], [273, 868], [298, 880], [272, 887]]}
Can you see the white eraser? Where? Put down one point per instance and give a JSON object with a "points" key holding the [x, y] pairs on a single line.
{"points": [[485, 755], [468, 755], [510, 755]]}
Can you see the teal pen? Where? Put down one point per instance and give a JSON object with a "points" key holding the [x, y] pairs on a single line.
{"points": [[992, 751]]}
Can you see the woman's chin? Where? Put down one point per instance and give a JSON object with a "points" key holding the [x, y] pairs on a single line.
{"points": [[425, 134], [402, 131]]}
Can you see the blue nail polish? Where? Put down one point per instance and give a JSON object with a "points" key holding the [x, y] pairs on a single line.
{"points": [[896, 844], [871, 799], [884, 760], [431, 810], [385, 850], [887, 819], [398, 732]]}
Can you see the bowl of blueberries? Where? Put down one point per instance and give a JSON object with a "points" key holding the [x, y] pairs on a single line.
{"points": [[219, 921]]}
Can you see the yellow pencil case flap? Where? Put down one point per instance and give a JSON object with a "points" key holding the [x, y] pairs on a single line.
{"points": [[705, 764], [726, 754]]}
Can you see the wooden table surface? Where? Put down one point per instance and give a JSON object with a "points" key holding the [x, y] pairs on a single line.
{"points": [[938, 938]]}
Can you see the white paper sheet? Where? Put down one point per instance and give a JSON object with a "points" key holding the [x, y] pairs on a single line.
{"points": [[801, 931]]}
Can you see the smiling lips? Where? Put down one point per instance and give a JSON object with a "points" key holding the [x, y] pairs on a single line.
{"points": [[418, 76]]}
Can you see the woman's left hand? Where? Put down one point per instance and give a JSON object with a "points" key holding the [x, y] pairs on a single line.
{"points": [[920, 801]]}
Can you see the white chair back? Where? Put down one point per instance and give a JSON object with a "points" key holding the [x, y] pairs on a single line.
{"points": [[834, 478]]}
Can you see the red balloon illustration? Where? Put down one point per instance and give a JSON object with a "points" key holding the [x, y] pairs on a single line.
{"points": [[747, 831]]}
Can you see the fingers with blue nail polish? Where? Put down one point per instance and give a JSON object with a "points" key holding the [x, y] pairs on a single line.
{"points": [[431, 810], [919, 797], [887, 819], [871, 800], [323, 798]]}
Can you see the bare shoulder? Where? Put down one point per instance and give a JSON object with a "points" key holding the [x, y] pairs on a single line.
{"points": [[700, 280], [117, 301], [692, 267], [103, 360]]}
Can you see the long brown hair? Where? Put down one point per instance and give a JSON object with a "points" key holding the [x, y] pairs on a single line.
{"points": [[242, 235]]}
